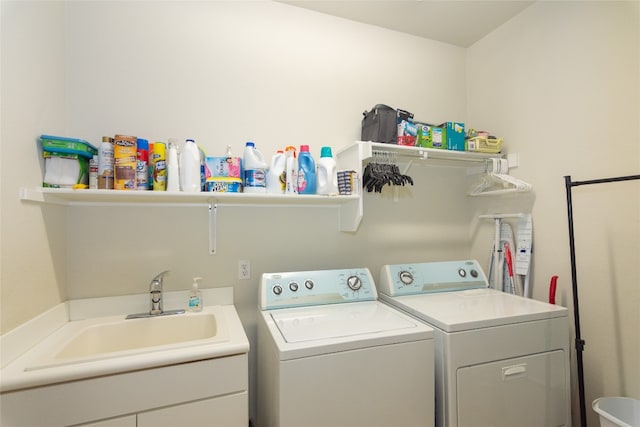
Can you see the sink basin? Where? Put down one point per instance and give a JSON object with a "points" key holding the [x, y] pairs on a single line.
{"points": [[139, 333], [109, 337]]}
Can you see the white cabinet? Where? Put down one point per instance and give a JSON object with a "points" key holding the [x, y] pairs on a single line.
{"points": [[205, 392]]}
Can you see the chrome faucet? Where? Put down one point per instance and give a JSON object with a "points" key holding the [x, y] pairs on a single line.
{"points": [[155, 292], [155, 289]]}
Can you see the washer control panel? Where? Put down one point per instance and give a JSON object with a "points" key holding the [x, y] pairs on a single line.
{"points": [[427, 277], [304, 288]]}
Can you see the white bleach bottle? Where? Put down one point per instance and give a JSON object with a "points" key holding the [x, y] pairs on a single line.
{"points": [[255, 170], [327, 173], [190, 167], [276, 174]]}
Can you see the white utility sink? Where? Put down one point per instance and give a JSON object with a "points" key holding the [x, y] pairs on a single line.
{"points": [[112, 344], [115, 336]]}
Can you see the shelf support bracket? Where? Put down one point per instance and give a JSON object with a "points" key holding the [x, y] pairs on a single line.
{"points": [[213, 211]]}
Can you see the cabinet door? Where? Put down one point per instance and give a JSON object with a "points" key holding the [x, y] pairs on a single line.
{"points": [[525, 392], [231, 411], [128, 421]]}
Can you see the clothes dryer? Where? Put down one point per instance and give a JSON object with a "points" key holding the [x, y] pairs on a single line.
{"points": [[501, 360], [330, 354]]}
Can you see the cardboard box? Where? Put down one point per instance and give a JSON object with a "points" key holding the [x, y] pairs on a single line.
{"points": [[453, 134]]}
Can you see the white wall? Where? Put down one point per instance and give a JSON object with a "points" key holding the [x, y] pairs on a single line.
{"points": [[32, 245], [561, 83]]}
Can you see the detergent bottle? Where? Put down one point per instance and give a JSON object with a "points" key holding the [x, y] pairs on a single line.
{"points": [[190, 167], [327, 173], [254, 170], [306, 172], [276, 174]]}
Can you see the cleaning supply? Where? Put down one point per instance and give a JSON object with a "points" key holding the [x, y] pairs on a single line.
{"points": [[142, 164], [255, 169], [290, 170], [306, 172], [125, 162], [276, 174], [190, 167], [195, 296], [105, 164], [173, 168], [159, 160], [327, 173]]}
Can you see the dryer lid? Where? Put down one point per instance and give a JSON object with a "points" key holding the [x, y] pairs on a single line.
{"points": [[338, 321], [474, 309]]}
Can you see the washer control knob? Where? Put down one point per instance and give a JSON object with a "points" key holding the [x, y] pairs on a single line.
{"points": [[354, 283], [474, 273], [308, 284], [277, 289], [406, 277], [462, 272], [293, 286]]}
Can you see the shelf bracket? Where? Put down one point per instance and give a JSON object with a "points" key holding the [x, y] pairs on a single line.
{"points": [[213, 211]]}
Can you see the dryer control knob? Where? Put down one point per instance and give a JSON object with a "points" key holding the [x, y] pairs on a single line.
{"points": [[462, 272], [354, 283], [277, 289], [406, 277], [474, 274], [293, 286], [308, 284]]}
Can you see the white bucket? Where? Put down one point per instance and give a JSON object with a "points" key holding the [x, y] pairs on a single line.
{"points": [[618, 411]]}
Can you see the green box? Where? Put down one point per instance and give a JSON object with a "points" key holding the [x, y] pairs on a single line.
{"points": [[430, 136], [61, 144]]}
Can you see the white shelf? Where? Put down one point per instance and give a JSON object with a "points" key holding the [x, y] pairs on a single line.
{"points": [[69, 197], [350, 208]]}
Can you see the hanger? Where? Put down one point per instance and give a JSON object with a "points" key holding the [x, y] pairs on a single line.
{"points": [[496, 180], [383, 171]]}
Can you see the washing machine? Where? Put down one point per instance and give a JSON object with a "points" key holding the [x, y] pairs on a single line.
{"points": [[501, 360], [330, 354]]}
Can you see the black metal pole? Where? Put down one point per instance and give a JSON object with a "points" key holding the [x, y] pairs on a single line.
{"points": [[579, 342]]}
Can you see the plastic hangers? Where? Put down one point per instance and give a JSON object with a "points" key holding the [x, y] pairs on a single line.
{"points": [[497, 180]]}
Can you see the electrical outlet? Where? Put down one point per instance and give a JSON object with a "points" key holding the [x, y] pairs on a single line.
{"points": [[244, 269]]}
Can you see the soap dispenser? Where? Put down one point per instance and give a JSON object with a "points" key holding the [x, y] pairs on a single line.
{"points": [[195, 296]]}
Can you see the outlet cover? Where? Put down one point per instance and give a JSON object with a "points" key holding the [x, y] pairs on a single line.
{"points": [[244, 269]]}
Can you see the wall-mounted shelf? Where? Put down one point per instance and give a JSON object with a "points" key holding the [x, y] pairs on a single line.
{"points": [[350, 208], [68, 197]]}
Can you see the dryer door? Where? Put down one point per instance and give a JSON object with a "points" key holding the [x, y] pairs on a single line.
{"points": [[527, 391]]}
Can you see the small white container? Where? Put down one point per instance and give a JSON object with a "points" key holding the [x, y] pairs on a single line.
{"points": [[276, 174], [255, 170]]}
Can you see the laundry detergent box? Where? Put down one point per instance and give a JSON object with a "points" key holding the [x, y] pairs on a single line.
{"points": [[66, 161], [223, 174], [228, 167], [430, 136], [453, 134]]}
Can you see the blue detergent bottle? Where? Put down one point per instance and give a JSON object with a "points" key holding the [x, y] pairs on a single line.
{"points": [[306, 172]]}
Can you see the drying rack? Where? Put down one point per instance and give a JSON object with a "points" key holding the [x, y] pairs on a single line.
{"points": [[579, 342]]}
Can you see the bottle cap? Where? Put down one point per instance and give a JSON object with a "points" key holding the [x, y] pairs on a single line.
{"points": [[142, 143], [250, 144], [325, 152], [304, 148]]}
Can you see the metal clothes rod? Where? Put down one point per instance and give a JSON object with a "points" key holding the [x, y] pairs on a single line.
{"points": [[579, 342]]}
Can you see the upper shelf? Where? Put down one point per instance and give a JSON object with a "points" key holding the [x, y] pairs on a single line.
{"points": [[366, 149]]}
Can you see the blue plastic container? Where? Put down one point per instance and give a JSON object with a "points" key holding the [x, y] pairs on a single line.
{"points": [[306, 172]]}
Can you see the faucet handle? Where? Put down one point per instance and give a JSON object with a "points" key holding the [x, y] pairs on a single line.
{"points": [[156, 282]]}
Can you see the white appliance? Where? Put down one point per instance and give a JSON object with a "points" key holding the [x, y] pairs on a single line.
{"points": [[330, 354], [501, 360]]}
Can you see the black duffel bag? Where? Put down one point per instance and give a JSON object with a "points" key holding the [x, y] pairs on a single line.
{"points": [[380, 124]]}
